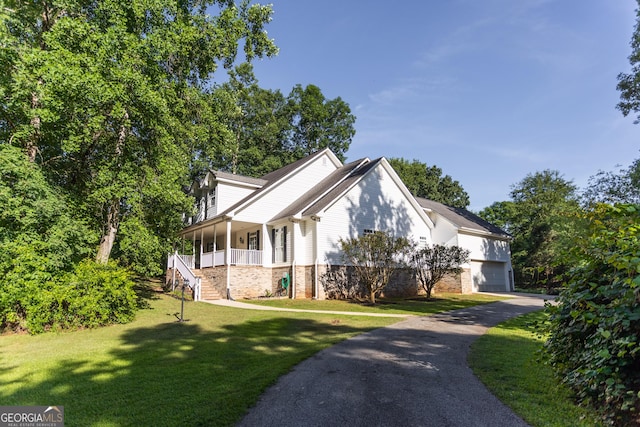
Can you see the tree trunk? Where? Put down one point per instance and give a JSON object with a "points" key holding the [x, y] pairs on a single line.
{"points": [[112, 217], [32, 143], [109, 233], [372, 297]]}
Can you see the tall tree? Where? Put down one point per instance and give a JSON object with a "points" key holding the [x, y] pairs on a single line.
{"points": [[428, 182], [102, 93], [318, 122], [268, 130], [613, 187], [629, 83], [258, 123], [541, 217]]}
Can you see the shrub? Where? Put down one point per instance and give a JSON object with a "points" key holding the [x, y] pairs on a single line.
{"points": [[90, 296], [595, 325]]}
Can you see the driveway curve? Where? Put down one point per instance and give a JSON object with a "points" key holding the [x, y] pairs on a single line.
{"points": [[412, 373]]}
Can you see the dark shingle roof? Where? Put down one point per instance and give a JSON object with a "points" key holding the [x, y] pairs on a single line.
{"points": [[462, 217], [318, 190], [240, 178], [343, 186]]}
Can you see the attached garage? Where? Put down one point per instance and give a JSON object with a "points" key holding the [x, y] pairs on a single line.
{"points": [[489, 276]]}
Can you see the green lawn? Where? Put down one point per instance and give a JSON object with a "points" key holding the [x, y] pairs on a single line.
{"points": [[418, 306], [206, 371], [506, 360], [156, 371]]}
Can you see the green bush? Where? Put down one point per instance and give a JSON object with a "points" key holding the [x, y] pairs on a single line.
{"points": [[92, 295], [595, 325]]}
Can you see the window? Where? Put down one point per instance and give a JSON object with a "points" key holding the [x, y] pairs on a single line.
{"points": [[252, 240], [211, 203], [279, 238], [368, 231]]}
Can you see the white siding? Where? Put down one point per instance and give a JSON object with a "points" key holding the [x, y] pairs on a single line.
{"points": [[375, 203], [277, 198], [443, 233], [483, 248], [228, 194]]}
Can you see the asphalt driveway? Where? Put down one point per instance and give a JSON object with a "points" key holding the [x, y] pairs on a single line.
{"points": [[413, 373]]}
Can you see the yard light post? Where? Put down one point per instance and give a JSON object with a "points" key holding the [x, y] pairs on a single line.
{"points": [[184, 283]]}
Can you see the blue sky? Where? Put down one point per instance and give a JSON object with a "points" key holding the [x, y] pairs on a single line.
{"points": [[488, 90]]}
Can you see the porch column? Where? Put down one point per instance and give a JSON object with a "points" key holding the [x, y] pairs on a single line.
{"points": [[227, 257], [296, 238], [266, 246], [201, 245], [193, 250], [215, 245]]}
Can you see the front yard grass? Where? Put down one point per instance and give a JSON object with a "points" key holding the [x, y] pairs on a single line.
{"points": [[418, 306], [507, 361]]}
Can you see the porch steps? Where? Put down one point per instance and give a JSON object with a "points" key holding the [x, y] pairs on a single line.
{"points": [[207, 289]]}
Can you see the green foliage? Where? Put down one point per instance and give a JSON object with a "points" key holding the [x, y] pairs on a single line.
{"points": [[542, 216], [90, 296], [427, 181], [595, 325], [629, 83], [107, 97], [433, 263], [269, 130], [43, 282], [611, 187], [374, 257]]}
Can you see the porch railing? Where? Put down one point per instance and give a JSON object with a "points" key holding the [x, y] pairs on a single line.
{"points": [[245, 257], [177, 263], [214, 259]]}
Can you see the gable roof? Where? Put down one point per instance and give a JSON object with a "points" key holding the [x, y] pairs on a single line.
{"points": [[230, 177], [319, 190], [358, 173], [354, 176], [270, 180], [462, 218]]}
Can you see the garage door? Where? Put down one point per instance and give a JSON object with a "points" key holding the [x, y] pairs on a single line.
{"points": [[489, 276]]}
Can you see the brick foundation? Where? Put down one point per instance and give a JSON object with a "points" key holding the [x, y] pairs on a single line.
{"points": [[257, 281]]}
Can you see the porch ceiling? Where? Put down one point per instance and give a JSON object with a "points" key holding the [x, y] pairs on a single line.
{"points": [[207, 231]]}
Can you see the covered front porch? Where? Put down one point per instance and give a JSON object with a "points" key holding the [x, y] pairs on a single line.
{"points": [[225, 243]]}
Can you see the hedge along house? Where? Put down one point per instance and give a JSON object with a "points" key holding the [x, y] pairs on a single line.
{"points": [[489, 269], [249, 235]]}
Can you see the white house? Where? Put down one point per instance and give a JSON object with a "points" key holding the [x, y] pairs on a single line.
{"points": [[490, 266], [250, 236]]}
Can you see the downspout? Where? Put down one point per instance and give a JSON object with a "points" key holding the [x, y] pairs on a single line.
{"points": [[315, 279], [293, 279], [227, 258]]}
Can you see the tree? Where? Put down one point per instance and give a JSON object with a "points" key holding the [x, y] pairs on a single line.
{"points": [[594, 327], [318, 122], [433, 263], [104, 96], [611, 187], [427, 181], [541, 216], [374, 257], [258, 122], [629, 83]]}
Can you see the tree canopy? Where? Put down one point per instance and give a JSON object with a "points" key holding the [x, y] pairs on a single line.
{"points": [[269, 130], [540, 216], [104, 96]]}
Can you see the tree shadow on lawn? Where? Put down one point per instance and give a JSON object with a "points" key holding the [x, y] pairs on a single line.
{"points": [[178, 373]]}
